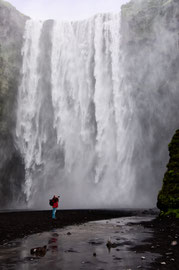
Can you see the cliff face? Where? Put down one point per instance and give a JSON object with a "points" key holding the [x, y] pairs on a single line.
{"points": [[150, 46], [150, 43], [11, 37], [168, 198]]}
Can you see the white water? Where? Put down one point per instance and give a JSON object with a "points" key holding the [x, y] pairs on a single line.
{"points": [[87, 157], [28, 113]]}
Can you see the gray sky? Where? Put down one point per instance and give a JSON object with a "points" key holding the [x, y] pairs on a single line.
{"points": [[66, 9]]}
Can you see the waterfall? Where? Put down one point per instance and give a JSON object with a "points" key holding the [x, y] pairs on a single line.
{"points": [[80, 127], [27, 128]]}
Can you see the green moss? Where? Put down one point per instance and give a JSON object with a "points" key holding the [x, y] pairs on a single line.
{"points": [[168, 197], [170, 212]]}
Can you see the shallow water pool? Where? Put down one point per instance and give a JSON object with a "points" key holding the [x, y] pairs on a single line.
{"points": [[82, 247]]}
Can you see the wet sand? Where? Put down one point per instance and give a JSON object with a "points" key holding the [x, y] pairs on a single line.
{"points": [[21, 223], [82, 247], [163, 232]]}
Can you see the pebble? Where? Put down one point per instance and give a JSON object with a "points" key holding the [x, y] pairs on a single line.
{"points": [[163, 263], [68, 233], [169, 253], [94, 254], [172, 259], [143, 258], [174, 243]]}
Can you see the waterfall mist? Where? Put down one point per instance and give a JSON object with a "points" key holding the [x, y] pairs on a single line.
{"points": [[94, 110]]}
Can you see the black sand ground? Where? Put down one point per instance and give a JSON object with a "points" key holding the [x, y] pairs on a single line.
{"points": [[165, 241], [19, 224], [166, 232]]}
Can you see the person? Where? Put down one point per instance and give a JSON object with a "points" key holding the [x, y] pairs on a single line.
{"points": [[54, 206]]}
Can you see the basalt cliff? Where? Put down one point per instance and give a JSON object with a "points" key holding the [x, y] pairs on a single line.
{"points": [[12, 25]]}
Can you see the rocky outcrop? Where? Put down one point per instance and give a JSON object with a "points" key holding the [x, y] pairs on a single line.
{"points": [[168, 198], [12, 25]]}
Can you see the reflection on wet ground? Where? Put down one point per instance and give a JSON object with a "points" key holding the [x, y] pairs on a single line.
{"points": [[94, 245]]}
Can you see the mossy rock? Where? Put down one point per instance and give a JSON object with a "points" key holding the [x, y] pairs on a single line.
{"points": [[168, 197], [170, 212]]}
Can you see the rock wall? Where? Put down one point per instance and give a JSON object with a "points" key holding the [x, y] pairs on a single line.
{"points": [[12, 25]]}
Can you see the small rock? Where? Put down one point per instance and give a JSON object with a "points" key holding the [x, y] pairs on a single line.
{"points": [[172, 259], [117, 258], [111, 245], [86, 262], [139, 267], [152, 247], [143, 258], [39, 251], [169, 253], [55, 234], [94, 254], [163, 263], [71, 250], [68, 233], [174, 243], [96, 242]]}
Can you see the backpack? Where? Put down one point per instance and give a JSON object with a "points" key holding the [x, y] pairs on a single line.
{"points": [[51, 202]]}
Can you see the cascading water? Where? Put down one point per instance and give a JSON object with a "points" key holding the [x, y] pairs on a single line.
{"points": [[80, 122], [28, 114], [90, 112]]}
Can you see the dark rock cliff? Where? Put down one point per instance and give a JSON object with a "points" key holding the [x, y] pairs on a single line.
{"points": [[168, 198], [12, 172]]}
